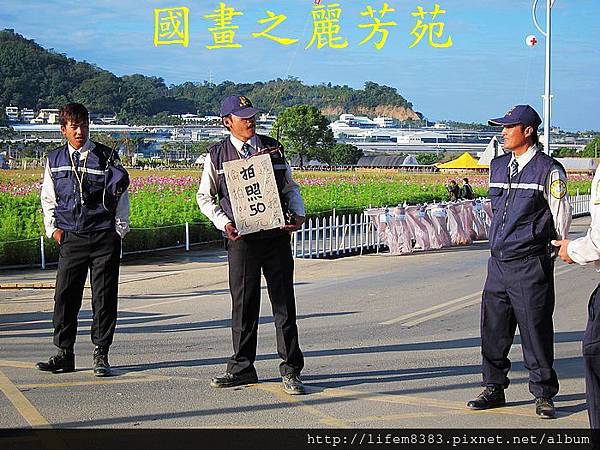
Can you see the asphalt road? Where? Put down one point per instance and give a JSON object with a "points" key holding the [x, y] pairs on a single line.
{"points": [[389, 341]]}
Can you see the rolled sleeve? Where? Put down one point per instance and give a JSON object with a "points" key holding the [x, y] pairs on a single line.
{"points": [[558, 201]]}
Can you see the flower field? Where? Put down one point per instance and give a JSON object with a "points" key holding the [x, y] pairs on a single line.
{"points": [[165, 198]]}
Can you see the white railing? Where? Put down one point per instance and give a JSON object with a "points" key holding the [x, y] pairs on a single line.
{"points": [[351, 234], [336, 235], [580, 204], [321, 237]]}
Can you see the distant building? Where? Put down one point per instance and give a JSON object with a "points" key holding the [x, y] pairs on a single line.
{"points": [[103, 119], [266, 120], [27, 115], [421, 137], [191, 118], [357, 121], [12, 113], [48, 115], [408, 163], [385, 122]]}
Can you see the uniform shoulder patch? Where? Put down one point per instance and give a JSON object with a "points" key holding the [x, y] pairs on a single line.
{"points": [[558, 188]]}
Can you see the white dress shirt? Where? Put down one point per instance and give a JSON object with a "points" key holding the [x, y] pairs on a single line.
{"points": [[559, 207], [209, 186], [48, 197], [586, 249]]}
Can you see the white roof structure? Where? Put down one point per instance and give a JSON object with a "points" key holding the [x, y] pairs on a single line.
{"points": [[410, 160], [578, 164], [493, 149]]}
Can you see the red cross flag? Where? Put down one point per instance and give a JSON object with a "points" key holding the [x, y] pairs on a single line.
{"points": [[531, 40]]}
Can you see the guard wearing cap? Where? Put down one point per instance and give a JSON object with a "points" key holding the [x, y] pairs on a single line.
{"points": [[86, 211], [582, 251], [531, 208], [268, 251]]}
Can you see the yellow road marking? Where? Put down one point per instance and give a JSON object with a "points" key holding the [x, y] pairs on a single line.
{"points": [[16, 364], [21, 404], [435, 403], [94, 382], [276, 390], [396, 417]]}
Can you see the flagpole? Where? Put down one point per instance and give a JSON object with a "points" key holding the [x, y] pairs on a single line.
{"points": [[547, 93]]}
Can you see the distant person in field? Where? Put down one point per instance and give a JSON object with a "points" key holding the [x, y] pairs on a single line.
{"points": [[86, 211], [453, 191], [466, 191]]}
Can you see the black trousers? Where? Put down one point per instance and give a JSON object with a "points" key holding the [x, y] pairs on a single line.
{"points": [[591, 355], [98, 251], [519, 293], [246, 259]]}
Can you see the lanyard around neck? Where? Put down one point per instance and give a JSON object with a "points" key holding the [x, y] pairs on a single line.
{"points": [[83, 170]]}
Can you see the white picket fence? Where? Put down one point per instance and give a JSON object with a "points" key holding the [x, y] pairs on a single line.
{"points": [[351, 234]]}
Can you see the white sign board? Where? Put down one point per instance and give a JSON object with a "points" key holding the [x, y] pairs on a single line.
{"points": [[253, 194]]}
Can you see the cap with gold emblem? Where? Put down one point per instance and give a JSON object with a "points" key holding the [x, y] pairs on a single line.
{"points": [[523, 114], [239, 106]]}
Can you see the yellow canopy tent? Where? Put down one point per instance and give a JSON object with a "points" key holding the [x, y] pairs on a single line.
{"points": [[463, 162]]}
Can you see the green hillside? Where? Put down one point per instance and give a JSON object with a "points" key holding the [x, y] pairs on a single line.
{"points": [[34, 77]]}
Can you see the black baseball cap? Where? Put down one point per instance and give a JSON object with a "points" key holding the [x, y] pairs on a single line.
{"points": [[523, 114], [239, 106]]}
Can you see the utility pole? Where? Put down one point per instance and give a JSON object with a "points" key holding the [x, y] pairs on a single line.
{"points": [[547, 95]]}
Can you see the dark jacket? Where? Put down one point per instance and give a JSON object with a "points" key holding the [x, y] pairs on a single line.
{"points": [[522, 224], [82, 210]]}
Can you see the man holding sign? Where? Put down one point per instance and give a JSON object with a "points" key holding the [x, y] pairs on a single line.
{"points": [[246, 189]]}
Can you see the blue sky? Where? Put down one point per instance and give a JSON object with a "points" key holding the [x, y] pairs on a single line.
{"points": [[487, 69]]}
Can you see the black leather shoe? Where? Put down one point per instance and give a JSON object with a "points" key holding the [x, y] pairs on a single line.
{"points": [[229, 379], [292, 385], [544, 408], [62, 362], [101, 365], [491, 397]]}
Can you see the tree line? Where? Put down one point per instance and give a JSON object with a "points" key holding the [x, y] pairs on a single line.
{"points": [[34, 77]]}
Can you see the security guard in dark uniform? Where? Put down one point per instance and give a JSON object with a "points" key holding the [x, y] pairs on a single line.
{"points": [[268, 251], [528, 193], [582, 251], [86, 210]]}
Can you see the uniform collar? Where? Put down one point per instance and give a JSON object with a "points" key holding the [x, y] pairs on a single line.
{"points": [[237, 143], [89, 145], [525, 157]]}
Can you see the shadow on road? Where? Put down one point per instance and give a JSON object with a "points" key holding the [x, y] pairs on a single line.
{"points": [[42, 323]]}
